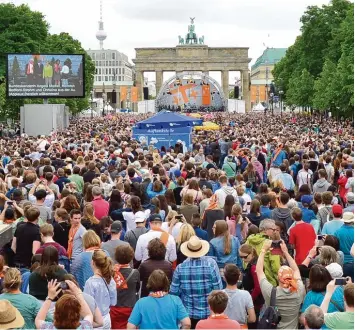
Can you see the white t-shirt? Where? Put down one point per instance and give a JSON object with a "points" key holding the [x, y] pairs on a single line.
{"points": [[141, 253], [129, 217]]}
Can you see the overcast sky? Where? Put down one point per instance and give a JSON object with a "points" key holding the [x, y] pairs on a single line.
{"points": [[157, 23]]}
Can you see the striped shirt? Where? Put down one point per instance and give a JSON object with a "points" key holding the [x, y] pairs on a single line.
{"points": [[193, 281]]}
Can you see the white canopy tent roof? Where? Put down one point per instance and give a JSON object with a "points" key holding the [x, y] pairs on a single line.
{"points": [[258, 107]]}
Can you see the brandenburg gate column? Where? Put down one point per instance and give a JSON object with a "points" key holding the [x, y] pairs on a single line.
{"points": [[158, 80], [246, 91], [140, 84], [225, 83]]}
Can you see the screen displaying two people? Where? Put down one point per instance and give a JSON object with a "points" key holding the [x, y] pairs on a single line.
{"points": [[45, 75]]}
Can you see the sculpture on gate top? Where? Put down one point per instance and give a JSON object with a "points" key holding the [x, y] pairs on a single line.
{"points": [[191, 37]]}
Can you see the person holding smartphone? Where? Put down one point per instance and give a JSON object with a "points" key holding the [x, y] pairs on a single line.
{"points": [[344, 319]]}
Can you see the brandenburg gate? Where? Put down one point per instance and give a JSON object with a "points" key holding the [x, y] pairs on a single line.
{"points": [[193, 55]]}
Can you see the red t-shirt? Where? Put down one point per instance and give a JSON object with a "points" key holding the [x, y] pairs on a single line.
{"points": [[302, 237], [218, 324]]}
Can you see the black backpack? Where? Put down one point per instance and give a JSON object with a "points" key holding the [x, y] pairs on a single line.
{"points": [[271, 317]]}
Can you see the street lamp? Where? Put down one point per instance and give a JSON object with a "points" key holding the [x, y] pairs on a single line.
{"points": [[92, 103], [114, 94], [272, 103], [281, 93]]}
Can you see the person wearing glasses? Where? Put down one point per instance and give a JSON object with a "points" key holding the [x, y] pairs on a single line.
{"points": [[272, 263]]}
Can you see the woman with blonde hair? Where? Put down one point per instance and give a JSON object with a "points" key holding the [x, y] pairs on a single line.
{"points": [[27, 305], [224, 247], [278, 184], [80, 162], [172, 225], [89, 221], [101, 286], [186, 232], [80, 267]]}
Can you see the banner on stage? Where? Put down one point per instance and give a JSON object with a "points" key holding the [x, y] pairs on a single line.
{"points": [[123, 92], [159, 137], [206, 95]]}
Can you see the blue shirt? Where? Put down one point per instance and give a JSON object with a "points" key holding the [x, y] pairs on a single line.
{"points": [[279, 159], [200, 233], [286, 179], [317, 298], [104, 294], [217, 251], [331, 227], [265, 212], [193, 281], [345, 235], [307, 214], [158, 313]]}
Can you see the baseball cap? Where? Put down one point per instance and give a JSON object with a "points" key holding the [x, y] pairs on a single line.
{"points": [[350, 196], [307, 199], [177, 173], [139, 217], [334, 270], [337, 210], [116, 226], [155, 217]]}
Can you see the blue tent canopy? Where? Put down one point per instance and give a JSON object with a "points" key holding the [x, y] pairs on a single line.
{"points": [[167, 119]]}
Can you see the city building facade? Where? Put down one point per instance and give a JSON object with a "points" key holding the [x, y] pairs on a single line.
{"points": [[261, 74]]}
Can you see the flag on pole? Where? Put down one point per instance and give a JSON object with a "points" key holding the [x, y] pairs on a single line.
{"points": [[123, 92], [134, 94]]}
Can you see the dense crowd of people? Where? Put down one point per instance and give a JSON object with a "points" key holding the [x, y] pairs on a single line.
{"points": [[251, 228]]}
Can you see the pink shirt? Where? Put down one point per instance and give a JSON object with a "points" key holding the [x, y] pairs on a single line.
{"points": [[101, 207]]}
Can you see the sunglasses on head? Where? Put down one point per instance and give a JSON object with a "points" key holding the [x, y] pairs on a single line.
{"points": [[244, 257]]}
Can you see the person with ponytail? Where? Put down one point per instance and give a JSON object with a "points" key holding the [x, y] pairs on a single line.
{"points": [[102, 286], [224, 247]]}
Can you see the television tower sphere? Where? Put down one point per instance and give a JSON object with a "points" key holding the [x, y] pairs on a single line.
{"points": [[101, 35]]}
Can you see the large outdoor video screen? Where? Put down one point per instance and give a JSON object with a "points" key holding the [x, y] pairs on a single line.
{"points": [[45, 76]]}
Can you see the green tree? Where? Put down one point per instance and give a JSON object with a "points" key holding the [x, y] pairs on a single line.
{"points": [[324, 52], [25, 31], [324, 96], [301, 89], [64, 43], [344, 77], [21, 31], [288, 66]]}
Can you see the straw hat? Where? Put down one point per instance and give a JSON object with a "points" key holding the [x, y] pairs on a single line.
{"points": [[10, 317], [348, 217], [195, 247]]}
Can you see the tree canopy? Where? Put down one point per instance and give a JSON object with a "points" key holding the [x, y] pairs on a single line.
{"points": [[322, 57], [25, 31]]}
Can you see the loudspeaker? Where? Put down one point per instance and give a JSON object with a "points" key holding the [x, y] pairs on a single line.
{"points": [[236, 92], [146, 93], [114, 97]]}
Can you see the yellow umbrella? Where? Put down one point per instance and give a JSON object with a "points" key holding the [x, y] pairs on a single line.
{"points": [[195, 115], [207, 126]]}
